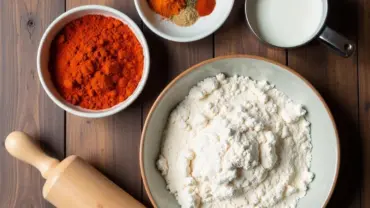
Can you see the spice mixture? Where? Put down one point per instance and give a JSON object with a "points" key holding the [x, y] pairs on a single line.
{"points": [[181, 12], [96, 62]]}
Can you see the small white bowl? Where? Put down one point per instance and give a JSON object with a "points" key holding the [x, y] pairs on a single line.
{"points": [[202, 28], [43, 59]]}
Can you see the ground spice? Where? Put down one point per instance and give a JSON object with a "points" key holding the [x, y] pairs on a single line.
{"points": [[186, 17], [183, 12], [96, 62], [167, 8], [205, 7], [191, 3]]}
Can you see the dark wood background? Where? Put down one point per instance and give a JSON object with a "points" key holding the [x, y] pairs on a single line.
{"points": [[112, 144]]}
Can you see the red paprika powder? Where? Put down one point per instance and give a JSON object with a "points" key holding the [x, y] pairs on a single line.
{"points": [[96, 62], [205, 7]]}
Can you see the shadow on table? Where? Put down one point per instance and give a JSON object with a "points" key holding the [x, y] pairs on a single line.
{"points": [[343, 18], [348, 188], [236, 18], [52, 151]]}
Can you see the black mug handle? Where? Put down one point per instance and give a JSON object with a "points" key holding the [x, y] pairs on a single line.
{"points": [[337, 42]]}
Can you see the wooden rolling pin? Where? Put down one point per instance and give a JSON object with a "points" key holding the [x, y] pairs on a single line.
{"points": [[72, 182]]}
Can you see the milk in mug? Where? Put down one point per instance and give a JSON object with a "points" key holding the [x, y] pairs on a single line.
{"points": [[288, 23]]}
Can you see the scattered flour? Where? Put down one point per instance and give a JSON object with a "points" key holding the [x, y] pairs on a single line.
{"points": [[236, 142]]}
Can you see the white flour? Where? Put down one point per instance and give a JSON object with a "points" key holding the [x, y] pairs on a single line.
{"points": [[236, 142]]}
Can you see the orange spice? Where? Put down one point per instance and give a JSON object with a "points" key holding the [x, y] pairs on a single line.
{"points": [[96, 62], [167, 8]]}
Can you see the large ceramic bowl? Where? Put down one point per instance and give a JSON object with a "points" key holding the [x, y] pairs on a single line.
{"points": [[325, 153]]}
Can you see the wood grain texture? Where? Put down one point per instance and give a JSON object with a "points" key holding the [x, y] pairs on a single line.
{"points": [[110, 144], [24, 105], [364, 93], [336, 80]]}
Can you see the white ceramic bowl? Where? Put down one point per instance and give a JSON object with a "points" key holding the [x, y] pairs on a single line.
{"points": [[202, 28], [325, 152], [43, 59]]}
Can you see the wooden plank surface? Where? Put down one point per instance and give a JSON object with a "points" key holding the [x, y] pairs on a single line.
{"points": [[337, 81], [24, 105], [363, 7], [110, 144]]}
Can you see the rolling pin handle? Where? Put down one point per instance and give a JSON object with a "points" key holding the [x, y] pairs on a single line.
{"points": [[21, 146]]}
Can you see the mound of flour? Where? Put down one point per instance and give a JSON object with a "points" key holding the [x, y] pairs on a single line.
{"points": [[236, 142]]}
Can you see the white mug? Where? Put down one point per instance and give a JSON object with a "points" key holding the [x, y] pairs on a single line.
{"points": [[293, 23]]}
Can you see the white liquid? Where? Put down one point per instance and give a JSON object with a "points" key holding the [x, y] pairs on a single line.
{"points": [[287, 23]]}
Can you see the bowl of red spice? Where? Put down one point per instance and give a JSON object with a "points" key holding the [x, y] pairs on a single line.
{"points": [[93, 61], [184, 20]]}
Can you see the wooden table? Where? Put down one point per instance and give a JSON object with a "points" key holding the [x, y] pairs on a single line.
{"points": [[112, 144]]}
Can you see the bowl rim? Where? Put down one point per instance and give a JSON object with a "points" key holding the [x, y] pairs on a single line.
{"points": [[181, 39], [119, 106], [194, 67]]}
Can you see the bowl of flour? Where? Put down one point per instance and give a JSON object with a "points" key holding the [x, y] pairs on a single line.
{"points": [[239, 131]]}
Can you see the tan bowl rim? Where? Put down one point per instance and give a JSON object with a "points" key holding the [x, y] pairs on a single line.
{"points": [[187, 71]]}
